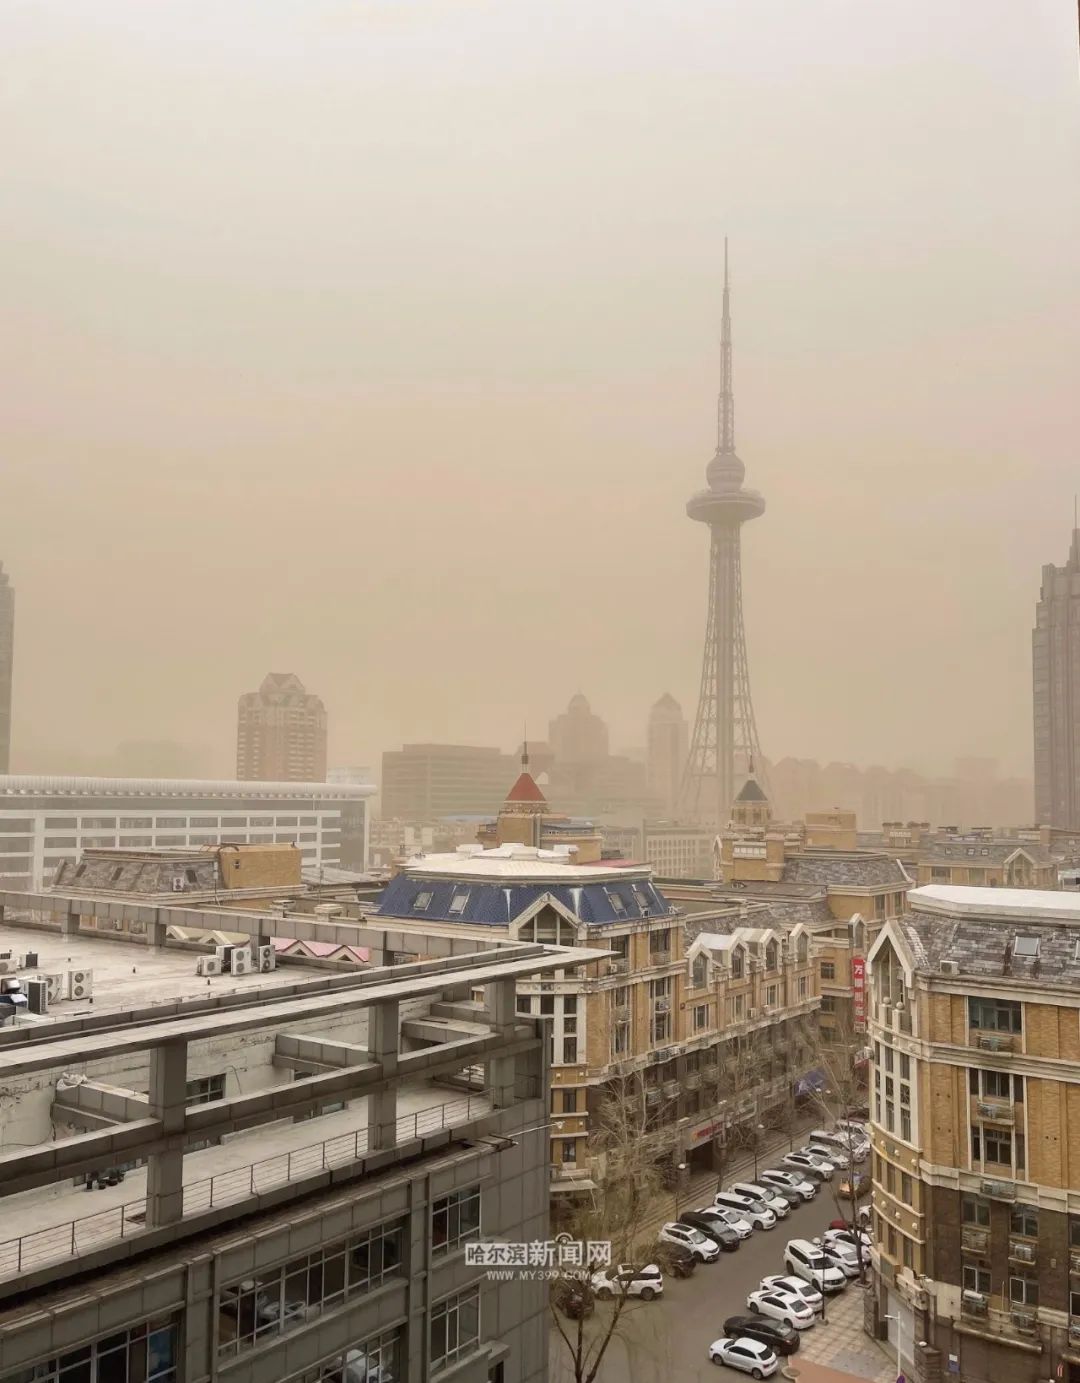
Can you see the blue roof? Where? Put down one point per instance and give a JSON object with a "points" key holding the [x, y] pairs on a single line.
{"points": [[495, 903]]}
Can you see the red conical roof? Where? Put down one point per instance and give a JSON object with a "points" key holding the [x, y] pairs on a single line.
{"points": [[525, 790]]}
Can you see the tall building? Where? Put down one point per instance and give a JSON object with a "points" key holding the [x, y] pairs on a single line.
{"points": [[578, 736], [423, 783], [974, 996], [667, 740], [281, 732], [279, 1183], [1055, 660], [725, 742], [46, 820], [7, 661]]}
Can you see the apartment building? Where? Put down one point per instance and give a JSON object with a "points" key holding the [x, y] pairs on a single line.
{"points": [[266, 1177], [650, 1012], [48, 820], [281, 732], [975, 1031], [422, 783]]}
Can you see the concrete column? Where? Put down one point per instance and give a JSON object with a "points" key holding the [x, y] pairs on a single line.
{"points": [[168, 1102], [384, 1037], [502, 1015], [69, 924], [156, 933]]}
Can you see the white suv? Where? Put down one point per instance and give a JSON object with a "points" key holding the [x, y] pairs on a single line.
{"points": [[703, 1249], [807, 1261], [646, 1283], [756, 1211], [776, 1176], [767, 1194]]}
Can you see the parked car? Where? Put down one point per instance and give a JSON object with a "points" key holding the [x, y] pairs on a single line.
{"points": [[673, 1259], [646, 1282], [734, 1219], [755, 1211], [852, 1187], [793, 1179], [780, 1338], [837, 1158], [808, 1167], [842, 1234], [704, 1249], [806, 1260], [767, 1195], [858, 1128], [751, 1356], [835, 1258], [573, 1296], [796, 1286], [781, 1306], [820, 1156], [717, 1229], [847, 1145]]}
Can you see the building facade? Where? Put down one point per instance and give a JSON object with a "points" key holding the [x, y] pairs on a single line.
{"points": [[1055, 666], [281, 732], [45, 820], [7, 665], [975, 1032], [423, 783], [284, 1190], [667, 742]]}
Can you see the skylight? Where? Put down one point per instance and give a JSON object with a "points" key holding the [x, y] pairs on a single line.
{"points": [[457, 903], [422, 902], [618, 904], [1026, 946]]}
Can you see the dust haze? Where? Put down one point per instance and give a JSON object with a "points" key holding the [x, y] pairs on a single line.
{"points": [[377, 342]]}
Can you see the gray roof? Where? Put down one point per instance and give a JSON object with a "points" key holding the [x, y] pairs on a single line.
{"points": [[835, 867], [987, 948], [751, 792], [983, 851]]}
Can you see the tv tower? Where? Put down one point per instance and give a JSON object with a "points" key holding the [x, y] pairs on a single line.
{"points": [[725, 741]]}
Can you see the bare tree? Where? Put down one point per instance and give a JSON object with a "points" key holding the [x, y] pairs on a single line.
{"points": [[629, 1148]]}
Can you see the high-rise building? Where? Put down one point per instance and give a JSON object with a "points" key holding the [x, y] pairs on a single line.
{"points": [[281, 732], [7, 658], [973, 1000], [1055, 659], [725, 742], [667, 741], [423, 783], [578, 736]]}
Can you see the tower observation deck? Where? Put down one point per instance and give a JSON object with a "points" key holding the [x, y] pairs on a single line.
{"points": [[724, 747]]}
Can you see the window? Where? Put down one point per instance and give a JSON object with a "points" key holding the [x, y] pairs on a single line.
{"points": [[803, 949], [660, 942], [976, 1279], [700, 972], [905, 1066], [144, 1352], [994, 1015], [996, 1146], [569, 1051], [457, 903], [1026, 946], [772, 956], [771, 992], [568, 1150], [1025, 1220], [828, 1003], [1024, 1290], [890, 1179], [701, 1017], [738, 963], [547, 1003], [907, 1256], [804, 990], [569, 1101], [618, 904], [738, 1008], [289, 1296], [905, 1189], [890, 1059], [1074, 1231], [828, 970], [455, 1220], [422, 901], [455, 1327], [206, 1090], [377, 1357]]}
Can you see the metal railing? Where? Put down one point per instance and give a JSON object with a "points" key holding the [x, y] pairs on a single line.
{"points": [[86, 1233]]}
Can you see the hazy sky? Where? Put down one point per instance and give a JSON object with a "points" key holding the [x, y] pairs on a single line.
{"points": [[377, 341]]}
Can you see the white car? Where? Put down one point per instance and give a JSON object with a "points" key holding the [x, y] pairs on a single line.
{"points": [[704, 1250], [626, 1280], [778, 1176], [757, 1213], [844, 1254], [749, 1355], [847, 1266], [767, 1194], [806, 1163], [845, 1236], [782, 1306], [804, 1259], [836, 1157], [734, 1219], [795, 1287]]}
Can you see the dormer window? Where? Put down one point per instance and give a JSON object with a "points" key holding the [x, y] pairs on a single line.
{"points": [[423, 901], [700, 972], [738, 963], [772, 956], [457, 902], [618, 904]]}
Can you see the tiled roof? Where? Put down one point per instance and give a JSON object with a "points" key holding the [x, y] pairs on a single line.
{"points": [[498, 903], [525, 790], [835, 867], [751, 792]]}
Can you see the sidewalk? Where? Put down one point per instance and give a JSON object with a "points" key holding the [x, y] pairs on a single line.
{"points": [[841, 1344]]}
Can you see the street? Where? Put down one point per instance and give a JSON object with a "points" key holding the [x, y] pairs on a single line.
{"points": [[667, 1340]]}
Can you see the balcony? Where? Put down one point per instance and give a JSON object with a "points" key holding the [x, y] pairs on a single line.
{"points": [[617, 967], [995, 1041], [999, 1113], [692, 1080], [671, 1089], [710, 1071], [900, 1020], [1022, 1250], [1024, 1322], [975, 1240], [999, 1190]]}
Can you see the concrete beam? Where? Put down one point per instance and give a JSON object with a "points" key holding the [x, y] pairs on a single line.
{"points": [[100, 1104], [302, 1052]]}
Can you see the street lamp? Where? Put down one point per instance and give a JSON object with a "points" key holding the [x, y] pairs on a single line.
{"points": [[680, 1168], [758, 1131]]}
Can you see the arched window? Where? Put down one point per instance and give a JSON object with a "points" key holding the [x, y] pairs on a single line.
{"points": [[700, 973], [772, 956], [738, 963], [803, 948]]}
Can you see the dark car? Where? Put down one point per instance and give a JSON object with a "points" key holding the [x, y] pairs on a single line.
{"points": [[715, 1229], [779, 1337], [573, 1297], [675, 1259], [793, 1198]]}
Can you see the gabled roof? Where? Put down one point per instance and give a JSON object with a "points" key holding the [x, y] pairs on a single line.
{"points": [[525, 789]]}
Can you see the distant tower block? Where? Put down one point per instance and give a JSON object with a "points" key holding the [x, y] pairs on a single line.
{"points": [[724, 745]]}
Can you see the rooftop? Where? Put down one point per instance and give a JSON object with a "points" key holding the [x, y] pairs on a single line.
{"points": [[63, 785], [518, 862], [997, 904], [859, 869]]}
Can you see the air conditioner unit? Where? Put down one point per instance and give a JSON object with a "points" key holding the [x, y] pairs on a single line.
{"points": [[37, 995], [117, 925], [975, 1302], [240, 962], [1024, 1321], [267, 958], [138, 928], [57, 985], [9, 965], [208, 965], [80, 984], [999, 1190], [950, 967]]}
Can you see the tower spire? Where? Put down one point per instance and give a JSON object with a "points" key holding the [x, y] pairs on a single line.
{"points": [[725, 408]]}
